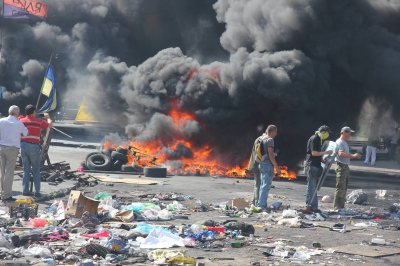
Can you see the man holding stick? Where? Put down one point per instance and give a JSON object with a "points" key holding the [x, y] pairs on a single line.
{"points": [[30, 148]]}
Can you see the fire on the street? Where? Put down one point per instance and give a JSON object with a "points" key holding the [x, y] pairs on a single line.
{"points": [[194, 161]]}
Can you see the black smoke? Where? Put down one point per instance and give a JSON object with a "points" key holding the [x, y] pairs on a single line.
{"points": [[237, 65]]}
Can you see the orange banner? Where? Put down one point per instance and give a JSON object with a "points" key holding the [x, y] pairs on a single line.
{"points": [[32, 7]]}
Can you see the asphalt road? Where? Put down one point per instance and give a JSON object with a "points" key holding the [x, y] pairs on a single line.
{"points": [[218, 190]]}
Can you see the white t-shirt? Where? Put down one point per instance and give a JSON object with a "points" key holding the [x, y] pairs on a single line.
{"points": [[11, 130], [342, 146]]}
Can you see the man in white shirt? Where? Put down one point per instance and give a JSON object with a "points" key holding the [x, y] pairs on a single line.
{"points": [[11, 130]]}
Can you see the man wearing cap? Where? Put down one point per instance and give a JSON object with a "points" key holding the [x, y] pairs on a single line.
{"points": [[11, 131], [342, 159], [313, 166]]}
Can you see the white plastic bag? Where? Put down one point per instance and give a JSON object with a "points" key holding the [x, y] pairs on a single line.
{"points": [[161, 238]]}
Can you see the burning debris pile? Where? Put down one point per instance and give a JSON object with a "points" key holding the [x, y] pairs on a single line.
{"points": [[179, 153]]}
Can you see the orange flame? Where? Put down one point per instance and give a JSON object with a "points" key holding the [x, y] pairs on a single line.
{"points": [[200, 160], [285, 173]]}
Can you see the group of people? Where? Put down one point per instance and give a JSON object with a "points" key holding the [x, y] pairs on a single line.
{"points": [[263, 164], [21, 134]]}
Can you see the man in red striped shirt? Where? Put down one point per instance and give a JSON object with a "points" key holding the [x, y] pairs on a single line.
{"points": [[30, 148]]}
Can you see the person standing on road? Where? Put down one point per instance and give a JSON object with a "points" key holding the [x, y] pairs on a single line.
{"points": [[342, 159], [370, 155], [267, 163], [313, 166], [253, 167], [30, 148], [11, 130], [393, 143]]}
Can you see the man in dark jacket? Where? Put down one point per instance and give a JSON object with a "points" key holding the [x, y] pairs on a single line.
{"points": [[313, 166]]}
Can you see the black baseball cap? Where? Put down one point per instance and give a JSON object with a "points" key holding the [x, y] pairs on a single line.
{"points": [[324, 128]]}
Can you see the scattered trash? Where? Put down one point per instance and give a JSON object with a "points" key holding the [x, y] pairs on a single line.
{"points": [[381, 193], [240, 203], [289, 214], [314, 217], [276, 205], [339, 227], [78, 204], [316, 245], [378, 241], [357, 197], [327, 199], [159, 238]]}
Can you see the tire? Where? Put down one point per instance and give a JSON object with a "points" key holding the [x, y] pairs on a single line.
{"points": [[137, 168], [159, 172], [107, 152], [99, 162], [117, 156], [116, 166], [122, 151], [90, 154]]}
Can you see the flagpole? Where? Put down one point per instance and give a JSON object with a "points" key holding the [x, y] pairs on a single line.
{"points": [[44, 79]]}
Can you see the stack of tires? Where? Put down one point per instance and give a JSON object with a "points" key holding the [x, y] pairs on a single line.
{"points": [[116, 160], [107, 160]]}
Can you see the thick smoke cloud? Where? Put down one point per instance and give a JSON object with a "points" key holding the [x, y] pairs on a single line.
{"points": [[235, 65]]}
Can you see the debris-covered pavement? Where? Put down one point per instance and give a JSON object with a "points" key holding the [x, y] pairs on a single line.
{"points": [[195, 220]]}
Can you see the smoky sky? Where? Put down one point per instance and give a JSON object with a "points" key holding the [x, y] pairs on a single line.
{"points": [[236, 65]]}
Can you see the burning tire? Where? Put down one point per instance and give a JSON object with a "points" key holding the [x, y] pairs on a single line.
{"points": [[99, 162], [116, 166], [127, 169], [122, 150], [107, 152], [134, 168], [117, 156], [137, 168], [160, 172]]}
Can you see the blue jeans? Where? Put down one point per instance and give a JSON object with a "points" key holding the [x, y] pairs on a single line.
{"points": [[267, 172], [30, 154], [313, 174]]}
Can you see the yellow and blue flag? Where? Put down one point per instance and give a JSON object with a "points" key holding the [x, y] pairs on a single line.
{"points": [[49, 90]]}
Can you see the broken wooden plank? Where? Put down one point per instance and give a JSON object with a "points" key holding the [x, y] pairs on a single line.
{"points": [[134, 181]]}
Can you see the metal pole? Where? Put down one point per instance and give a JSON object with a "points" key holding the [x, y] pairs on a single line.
{"points": [[56, 129]]}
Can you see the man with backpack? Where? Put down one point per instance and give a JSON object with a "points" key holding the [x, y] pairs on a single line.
{"points": [[253, 167], [265, 157], [313, 166]]}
